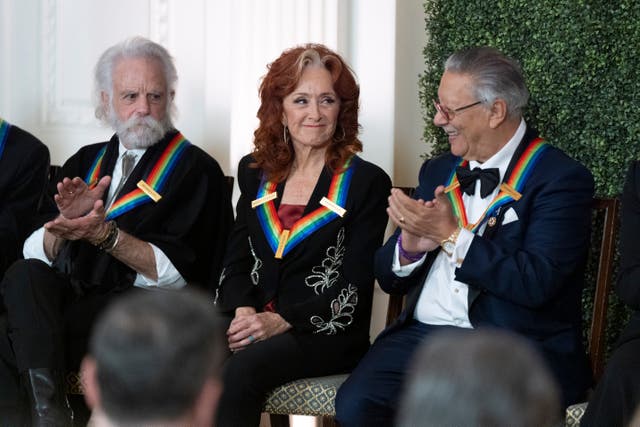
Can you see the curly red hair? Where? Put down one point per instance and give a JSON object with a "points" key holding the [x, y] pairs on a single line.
{"points": [[275, 156]]}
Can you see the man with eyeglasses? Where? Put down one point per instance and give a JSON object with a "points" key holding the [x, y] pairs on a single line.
{"points": [[496, 235]]}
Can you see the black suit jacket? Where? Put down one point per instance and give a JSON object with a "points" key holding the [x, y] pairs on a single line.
{"points": [[189, 223], [526, 275], [628, 285], [324, 286], [24, 167]]}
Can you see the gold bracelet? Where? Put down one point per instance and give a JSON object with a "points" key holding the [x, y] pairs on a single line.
{"points": [[111, 239], [115, 241], [103, 237]]}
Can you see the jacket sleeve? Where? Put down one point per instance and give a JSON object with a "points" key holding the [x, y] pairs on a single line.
{"points": [[343, 292], [628, 286], [387, 279], [236, 289], [25, 184]]}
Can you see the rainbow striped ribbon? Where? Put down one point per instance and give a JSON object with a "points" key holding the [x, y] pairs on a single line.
{"points": [[4, 134], [282, 241], [94, 171], [156, 179], [509, 190]]}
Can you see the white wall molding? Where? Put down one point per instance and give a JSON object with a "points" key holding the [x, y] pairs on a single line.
{"points": [[61, 106]]}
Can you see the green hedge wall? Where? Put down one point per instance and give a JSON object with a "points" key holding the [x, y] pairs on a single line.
{"points": [[581, 59]]}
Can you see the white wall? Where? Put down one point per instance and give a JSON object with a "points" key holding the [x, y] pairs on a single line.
{"points": [[221, 47]]}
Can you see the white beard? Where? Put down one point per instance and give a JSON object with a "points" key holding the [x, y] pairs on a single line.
{"points": [[139, 132]]}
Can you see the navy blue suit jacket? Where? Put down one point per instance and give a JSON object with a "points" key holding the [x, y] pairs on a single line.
{"points": [[525, 276]]}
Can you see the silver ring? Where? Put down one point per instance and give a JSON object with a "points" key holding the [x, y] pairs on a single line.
{"points": [[251, 339], [402, 220]]}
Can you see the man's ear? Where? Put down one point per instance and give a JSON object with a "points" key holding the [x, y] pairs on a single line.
{"points": [[498, 113], [104, 99], [89, 377]]}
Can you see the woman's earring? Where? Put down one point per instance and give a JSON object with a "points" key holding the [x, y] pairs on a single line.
{"points": [[285, 137]]}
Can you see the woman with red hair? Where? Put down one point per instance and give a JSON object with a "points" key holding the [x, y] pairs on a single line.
{"points": [[298, 277]]}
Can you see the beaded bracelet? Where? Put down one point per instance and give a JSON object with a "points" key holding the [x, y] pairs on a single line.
{"points": [[413, 257], [109, 242]]}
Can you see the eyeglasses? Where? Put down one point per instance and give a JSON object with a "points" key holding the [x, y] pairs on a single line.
{"points": [[449, 113]]}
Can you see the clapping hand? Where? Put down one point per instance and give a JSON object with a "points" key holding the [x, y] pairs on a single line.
{"points": [[76, 199]]}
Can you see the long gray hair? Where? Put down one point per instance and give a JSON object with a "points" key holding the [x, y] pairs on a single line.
{"points": [[135, 47]]}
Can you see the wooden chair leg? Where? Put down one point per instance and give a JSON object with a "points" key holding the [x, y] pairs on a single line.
{"points": [[278, 420], [327, 421]]}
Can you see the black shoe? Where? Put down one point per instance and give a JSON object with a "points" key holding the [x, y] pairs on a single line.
{"points": [[47, 398]]}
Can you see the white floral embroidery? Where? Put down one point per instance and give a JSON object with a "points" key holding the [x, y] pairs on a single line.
{"points": [[342, 309], [326, 274], [257, 264], [220, 280]]}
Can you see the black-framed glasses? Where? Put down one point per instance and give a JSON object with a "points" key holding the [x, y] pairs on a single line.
{"points": [[450, 113]]}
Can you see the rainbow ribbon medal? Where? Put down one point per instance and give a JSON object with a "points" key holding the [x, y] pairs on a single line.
{"points": [[151, 187], [94, 171], [281, 240], [4, 134], [510, 190]]}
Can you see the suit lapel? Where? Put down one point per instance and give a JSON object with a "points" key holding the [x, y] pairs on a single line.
{"points": [[494, 221]]}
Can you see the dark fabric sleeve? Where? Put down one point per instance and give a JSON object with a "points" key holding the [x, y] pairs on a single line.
{"points": [[387, 279], [192, 225], [347, 303], [628, 286], [238, 291], [23, 178]]}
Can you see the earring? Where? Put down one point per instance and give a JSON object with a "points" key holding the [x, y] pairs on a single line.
{"points": [[344, 134], [284, 134]]}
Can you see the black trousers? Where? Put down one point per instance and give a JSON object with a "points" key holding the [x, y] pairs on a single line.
{"points": [[251, 373], [44, 324]]}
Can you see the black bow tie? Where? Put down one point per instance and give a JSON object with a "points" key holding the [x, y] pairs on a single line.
{"points": [[489, 179]]}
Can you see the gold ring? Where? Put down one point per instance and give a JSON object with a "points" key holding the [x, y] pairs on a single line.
{"points": [[402, 219]]}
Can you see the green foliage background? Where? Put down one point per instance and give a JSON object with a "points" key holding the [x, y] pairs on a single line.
{"points": [[581, 59]]}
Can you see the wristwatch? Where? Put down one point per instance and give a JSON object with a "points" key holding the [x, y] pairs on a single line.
{"points": [[449, 244]]}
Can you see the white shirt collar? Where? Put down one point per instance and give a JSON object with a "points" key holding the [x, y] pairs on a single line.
{"points": [[502, 158], [138, 152]]}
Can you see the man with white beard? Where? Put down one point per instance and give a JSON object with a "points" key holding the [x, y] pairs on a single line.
{"points": [[146, 209]]}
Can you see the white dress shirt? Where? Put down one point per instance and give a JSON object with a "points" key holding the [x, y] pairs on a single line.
{"points": [[443, 300], [168, 275]]}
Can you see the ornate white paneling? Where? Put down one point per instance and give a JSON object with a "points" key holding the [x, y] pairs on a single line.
{"points": [[74, 33], [262, 29], [5, 69]]}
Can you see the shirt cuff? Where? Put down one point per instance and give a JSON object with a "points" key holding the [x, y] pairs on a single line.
{"points": [[34, 247], [404, 270], [168, 275]]}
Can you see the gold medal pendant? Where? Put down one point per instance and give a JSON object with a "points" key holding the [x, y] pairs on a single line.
{"points": [[146, 188], [284, 236]]}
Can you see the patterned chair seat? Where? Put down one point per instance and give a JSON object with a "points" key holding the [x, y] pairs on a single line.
{"points": [[306, 396], [574, 414], [74, 383]]}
